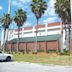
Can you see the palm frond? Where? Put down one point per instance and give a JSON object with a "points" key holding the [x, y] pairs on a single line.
{"points": [[62, 8], [38, 7], [20, 17], [6, 20]]}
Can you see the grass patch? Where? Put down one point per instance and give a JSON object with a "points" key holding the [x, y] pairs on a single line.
{"points": [[44, 58]]}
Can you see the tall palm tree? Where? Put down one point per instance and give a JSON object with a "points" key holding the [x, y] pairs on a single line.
{"points": [[62, 8], [20, 17], [38, 7], [5, 20]]}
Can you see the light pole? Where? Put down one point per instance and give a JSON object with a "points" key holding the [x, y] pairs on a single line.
{"points": [[9, 6], [6, 36], [71, 11]]}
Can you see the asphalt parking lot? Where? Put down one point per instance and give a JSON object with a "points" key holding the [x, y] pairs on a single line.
{"points": [[31, 67]]}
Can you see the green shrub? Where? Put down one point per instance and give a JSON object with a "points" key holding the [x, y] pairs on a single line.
{"points": [[65, 52], [52, 51]]}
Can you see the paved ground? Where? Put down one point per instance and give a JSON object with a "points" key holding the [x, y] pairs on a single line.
{"points": [[30, 67]]}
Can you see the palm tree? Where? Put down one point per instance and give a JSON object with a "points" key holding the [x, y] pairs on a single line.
{"points": [[62, 8], [20, 18], [38, 7], [5, 20]]}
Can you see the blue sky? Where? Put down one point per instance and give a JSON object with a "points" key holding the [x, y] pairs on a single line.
{"points": [[48, 17]]}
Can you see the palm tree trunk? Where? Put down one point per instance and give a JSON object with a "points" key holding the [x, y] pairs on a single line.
{"points": [[26, 47], [46, 47], [61, 38], [6, 39], [65, 33], [69, 38], [36, 37], [18, 41], [4, 46], [66, 39]]}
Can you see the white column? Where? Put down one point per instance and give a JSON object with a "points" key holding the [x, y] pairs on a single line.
{"points": [[33, 31], [46, 28]]}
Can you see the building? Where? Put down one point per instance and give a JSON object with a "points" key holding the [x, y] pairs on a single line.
{"points": [[49, 37]]}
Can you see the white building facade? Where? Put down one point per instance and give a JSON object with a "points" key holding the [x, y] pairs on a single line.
{"points": [[45, 31]]}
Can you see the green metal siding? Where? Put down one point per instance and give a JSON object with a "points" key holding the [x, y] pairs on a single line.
{"points": [[39, 38]]}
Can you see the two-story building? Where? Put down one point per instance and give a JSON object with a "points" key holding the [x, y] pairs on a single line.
{"points": [[49, 37]]}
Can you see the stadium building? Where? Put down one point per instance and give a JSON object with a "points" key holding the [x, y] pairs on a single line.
{"points": [[49, 37]]}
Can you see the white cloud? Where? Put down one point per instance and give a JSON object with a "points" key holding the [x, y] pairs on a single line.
{"points": [[50, 10], [28, 16], [46, 13], [20, 3], [51, 3], [50, 20], [25, 1], [27, 24], [1, 7], [15, 3]]}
